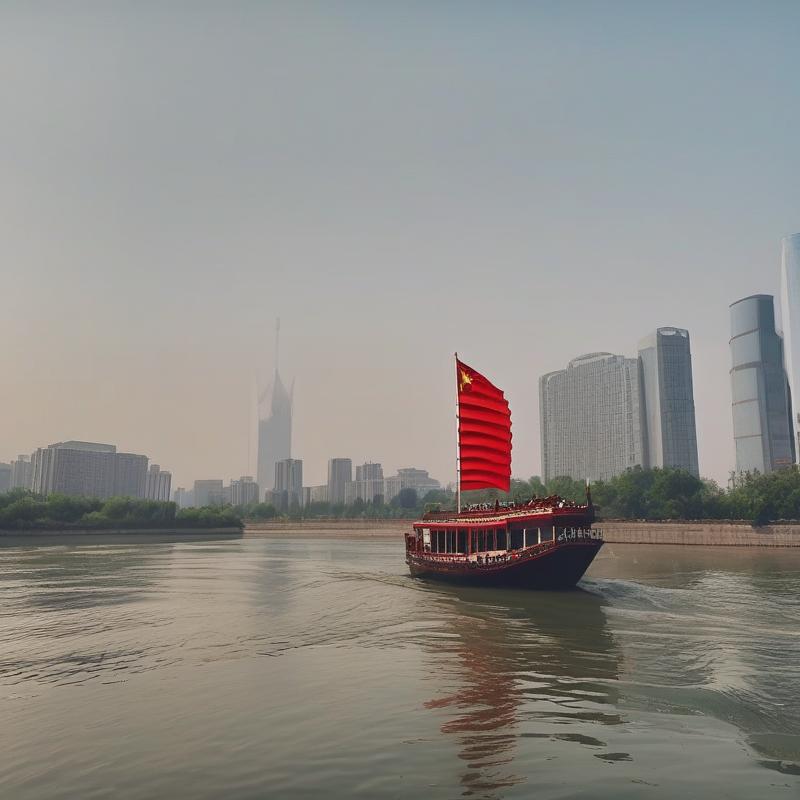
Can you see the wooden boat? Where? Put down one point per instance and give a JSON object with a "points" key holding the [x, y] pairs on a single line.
{"points": [[543, 543]]}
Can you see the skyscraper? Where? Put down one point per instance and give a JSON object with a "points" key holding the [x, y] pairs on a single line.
{"points": [[790, 322], [762, 426], [288, 489], [670, 436], [340, 473], [274, 427], [591, 419]]}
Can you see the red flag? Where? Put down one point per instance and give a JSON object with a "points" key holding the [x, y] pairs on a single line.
{"points": [[484, 432]]}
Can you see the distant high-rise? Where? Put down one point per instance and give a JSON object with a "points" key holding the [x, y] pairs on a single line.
{"points": [[591, 419], [790, 322], [208, 493], [274, 427], [762, 426], [288, 489], [670, 435], [130, 475], [340, 473], [244, 491], [315, 494], [87, 469], [21, 473], [158, 483], [369, 482], [183, 498], [5, 477]]}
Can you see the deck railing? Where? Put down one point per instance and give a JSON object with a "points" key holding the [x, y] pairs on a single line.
{"points": [[466, 559]]}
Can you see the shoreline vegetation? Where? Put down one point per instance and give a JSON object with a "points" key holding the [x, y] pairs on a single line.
{"points": [[651, 495], [666, 496], [23, 511]]}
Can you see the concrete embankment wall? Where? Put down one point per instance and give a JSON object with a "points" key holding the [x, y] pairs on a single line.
{"points": [[730, 534]]}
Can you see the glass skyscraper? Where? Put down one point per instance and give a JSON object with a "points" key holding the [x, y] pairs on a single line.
{"points": [[790, 322], [762, 426], [670, 435]]}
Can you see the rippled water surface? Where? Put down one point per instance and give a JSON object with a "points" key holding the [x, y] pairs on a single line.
{"points": [[278, 667]]}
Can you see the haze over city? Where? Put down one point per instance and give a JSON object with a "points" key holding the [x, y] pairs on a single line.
{"points": [[395, 183]]}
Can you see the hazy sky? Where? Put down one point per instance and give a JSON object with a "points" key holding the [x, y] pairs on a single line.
{"points": [[521, 182]]}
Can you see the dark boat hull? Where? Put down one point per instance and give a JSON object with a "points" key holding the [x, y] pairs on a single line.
{"points": [[559, 567]]}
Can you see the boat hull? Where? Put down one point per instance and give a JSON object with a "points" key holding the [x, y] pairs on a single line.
{"points": [[559, 567]]}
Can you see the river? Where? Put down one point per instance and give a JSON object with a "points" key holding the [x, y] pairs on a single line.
{"points": [[269, 666]]}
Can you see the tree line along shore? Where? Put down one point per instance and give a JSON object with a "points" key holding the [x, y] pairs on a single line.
{"points": [[638, 494], [21, 510]]}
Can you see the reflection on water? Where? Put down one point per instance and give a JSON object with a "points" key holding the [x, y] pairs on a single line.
{"points": [[267, 667], [525, 666]]}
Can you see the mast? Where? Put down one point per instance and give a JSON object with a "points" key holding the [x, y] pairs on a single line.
{"points": [[458, 448]]}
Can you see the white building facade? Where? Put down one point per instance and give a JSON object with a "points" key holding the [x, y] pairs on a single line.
{"points": [[88, 469], [790, 324], [591, 419]]}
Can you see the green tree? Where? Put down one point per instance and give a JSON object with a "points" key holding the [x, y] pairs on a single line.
{"points": [[406, 499]]}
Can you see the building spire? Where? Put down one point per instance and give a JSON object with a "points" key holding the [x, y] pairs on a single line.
{"points": [[277, 343]]}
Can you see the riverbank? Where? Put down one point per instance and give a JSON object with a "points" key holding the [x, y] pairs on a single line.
{"points": [[714, 534], [14, 534], [342, 529], [707, 534]]}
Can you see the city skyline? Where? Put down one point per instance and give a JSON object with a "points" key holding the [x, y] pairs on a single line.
{"points": [[596, 175]]}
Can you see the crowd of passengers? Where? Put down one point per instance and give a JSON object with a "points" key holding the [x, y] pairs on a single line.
{"points": [[553, 501]]}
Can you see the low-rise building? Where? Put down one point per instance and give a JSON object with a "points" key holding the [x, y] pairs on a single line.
{"points": [[409, 478], [315, 494]]}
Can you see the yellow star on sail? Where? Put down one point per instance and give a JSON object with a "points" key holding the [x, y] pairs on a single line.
{"points": [[464, 380]]}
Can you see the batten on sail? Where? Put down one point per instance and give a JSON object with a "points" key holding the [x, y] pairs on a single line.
{"points": [[484, 432]]}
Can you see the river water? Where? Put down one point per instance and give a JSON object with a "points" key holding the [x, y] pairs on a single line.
{"points": [[263, 667]]}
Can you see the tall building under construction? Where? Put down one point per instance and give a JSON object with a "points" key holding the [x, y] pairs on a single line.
{"points": [[274, 427]]}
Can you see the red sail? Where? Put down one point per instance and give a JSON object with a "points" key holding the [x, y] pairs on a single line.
{"points": [[484, 432]]}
